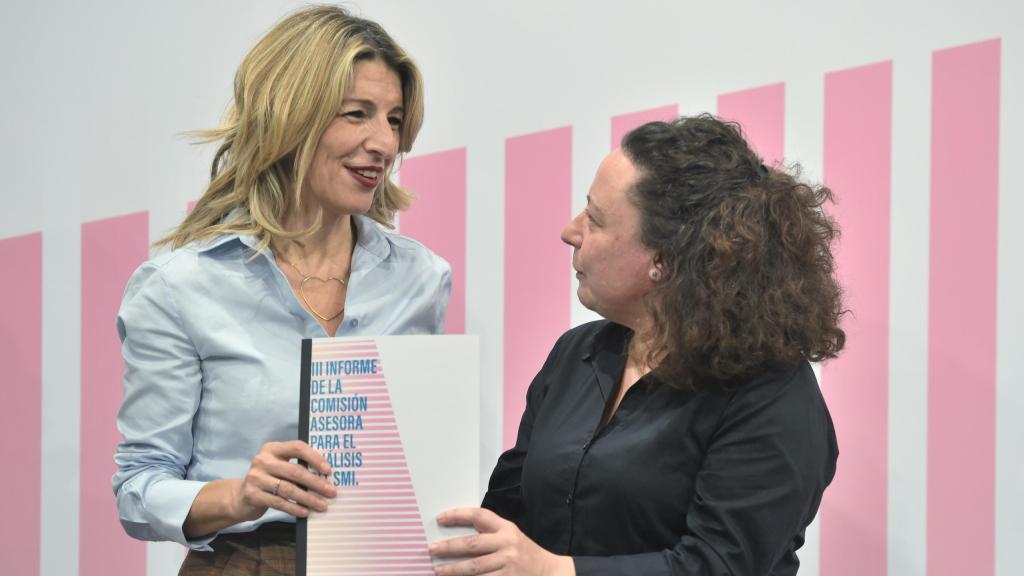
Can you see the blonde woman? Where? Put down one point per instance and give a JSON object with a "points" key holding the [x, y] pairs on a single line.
{"points": [[283, 245]]}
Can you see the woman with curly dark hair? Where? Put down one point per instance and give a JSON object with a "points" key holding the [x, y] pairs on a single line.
{"points": [[686, 434]]}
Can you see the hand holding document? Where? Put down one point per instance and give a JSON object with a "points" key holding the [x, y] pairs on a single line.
{"points": [[499, 547]]}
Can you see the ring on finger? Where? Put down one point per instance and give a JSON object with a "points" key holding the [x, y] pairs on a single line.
{"points": [[276, 487]]}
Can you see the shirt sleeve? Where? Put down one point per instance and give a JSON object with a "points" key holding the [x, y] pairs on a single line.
{"points": [[162, 387], [766, 467], [442, 295], [504, 490]]}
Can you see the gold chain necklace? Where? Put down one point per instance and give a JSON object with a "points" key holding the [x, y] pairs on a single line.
{"points": [[302, 290]]}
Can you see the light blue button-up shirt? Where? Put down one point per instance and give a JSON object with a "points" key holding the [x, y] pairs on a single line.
{"points": [[211, 341]]}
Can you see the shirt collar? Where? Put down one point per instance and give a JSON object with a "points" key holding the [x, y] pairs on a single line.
{"points": [[605, 356], [369, 237], [610, 338], [217, 241], [211, 244]]}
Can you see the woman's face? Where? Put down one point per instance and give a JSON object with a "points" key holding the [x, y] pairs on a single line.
{"points": [[358, 146], [612, 266]]}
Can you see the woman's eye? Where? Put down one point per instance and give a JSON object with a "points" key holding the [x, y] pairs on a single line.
{"points": [[354, 114], [395, 121]]}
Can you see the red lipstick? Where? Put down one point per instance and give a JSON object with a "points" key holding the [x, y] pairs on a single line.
{"points": [[368, 176]]}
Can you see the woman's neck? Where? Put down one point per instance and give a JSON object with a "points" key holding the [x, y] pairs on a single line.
{"points": [[322, 251], [641, 343]]}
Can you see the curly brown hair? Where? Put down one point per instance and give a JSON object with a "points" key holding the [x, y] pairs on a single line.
{"points": [[745, 252]]}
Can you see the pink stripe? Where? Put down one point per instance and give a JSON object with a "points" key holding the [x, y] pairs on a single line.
{"points": [[372, 565], [377, 539], [538, 204], [352, 342], [390, 544], [415, 555], [858, 155], [111, 250], [385, 496], [402, 537], [348, 508], [362, 344], [375, 533], [21, 356], [345, 351], [375, 523], [417, 552], [426, 571], [376, 517], [962, 310], [762, 114], [438, 218], [376, 408], [371, 462], [353, 543], [623, 123]]}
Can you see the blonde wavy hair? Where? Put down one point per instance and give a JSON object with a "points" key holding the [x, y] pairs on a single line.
{"points": [[287, 90]]}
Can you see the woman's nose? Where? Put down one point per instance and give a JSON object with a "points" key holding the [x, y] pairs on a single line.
{"points": [[382, 139], [571, 232]]}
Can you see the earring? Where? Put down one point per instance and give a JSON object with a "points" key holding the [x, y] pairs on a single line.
{"points": [[655, 274]]}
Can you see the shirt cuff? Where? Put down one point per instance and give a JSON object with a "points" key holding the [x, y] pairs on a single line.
{"points": [[168, 503]]}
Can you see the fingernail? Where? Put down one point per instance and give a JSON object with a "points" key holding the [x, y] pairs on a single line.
{"points": [[432, 547]]}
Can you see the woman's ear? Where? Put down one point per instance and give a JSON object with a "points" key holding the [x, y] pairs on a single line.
{"points": [[656, 271]]}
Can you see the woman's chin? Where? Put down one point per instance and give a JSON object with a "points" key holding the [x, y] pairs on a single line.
{"points": [[337, 211], [586, 300]]}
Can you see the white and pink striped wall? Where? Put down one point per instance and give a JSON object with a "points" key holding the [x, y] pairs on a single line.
{"points": [[908, 111]]}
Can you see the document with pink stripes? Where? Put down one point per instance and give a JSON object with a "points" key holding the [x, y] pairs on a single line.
{"points": [[398, 419]]}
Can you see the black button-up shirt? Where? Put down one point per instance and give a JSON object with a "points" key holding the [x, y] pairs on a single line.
{"points": [[678, 482]]}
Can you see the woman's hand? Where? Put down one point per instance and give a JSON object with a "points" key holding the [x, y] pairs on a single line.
{"points": [[273, 481], [499, 548]]}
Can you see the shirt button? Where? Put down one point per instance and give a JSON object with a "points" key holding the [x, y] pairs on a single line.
{"points": [[353, 322]]}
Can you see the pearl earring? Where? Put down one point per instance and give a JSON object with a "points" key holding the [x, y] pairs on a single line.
{"points": [[655, 274]]}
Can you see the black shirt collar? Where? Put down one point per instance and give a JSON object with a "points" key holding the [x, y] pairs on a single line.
{"points": [[610, 338]]}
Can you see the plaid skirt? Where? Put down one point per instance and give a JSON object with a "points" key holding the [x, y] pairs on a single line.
{"points": [[267, 551]]}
